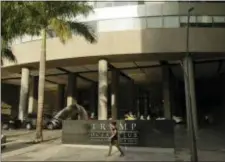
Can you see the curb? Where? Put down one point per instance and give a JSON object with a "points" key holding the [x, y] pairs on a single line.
{"points": [[13, 142], [130, 149], [16, 135]]}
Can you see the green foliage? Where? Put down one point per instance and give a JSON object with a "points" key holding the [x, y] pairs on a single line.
{"points": [[6, 52], [30, 17]]}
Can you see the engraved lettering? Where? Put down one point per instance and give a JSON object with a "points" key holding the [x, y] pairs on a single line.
{"points": [[123, 126], [93, 126], [102, 126], [129, 135], [133, 125]]}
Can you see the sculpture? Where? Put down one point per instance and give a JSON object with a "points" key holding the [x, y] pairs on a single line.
{"points": [[73, 112]]}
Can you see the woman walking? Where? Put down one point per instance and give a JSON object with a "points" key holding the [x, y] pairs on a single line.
{"points": [[114, 139]]}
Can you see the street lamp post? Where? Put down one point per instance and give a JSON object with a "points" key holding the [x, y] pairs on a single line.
{"points": [[188, 69]]}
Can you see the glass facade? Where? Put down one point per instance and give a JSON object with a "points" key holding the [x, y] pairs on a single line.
{"points": [[155, 14], [148, 22], [110, 3], [157, 22]]}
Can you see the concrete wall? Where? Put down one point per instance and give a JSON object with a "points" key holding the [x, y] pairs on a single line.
{"points": [[151, 15], [129, 45], [131, 133]]}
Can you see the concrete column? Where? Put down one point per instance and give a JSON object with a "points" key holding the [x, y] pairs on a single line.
{"points": [[166, 91], [71, 89], [24, 87], [114, 94], [189, 80], [60, 97], [33, 95], [102, 89]]}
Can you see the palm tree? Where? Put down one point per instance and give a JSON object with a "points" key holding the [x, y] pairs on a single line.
{"points": [[13, 25], [57, 17], [7, 30]]}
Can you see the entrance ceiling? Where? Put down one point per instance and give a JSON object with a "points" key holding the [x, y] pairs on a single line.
{"points": [[141, 72]]}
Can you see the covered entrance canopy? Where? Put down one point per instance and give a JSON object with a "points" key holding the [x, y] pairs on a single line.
{"points": [[146, 76]]}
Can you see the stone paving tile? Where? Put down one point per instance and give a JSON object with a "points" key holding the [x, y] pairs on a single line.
{"points": [[82, 154], [59, 152], [39, 152], [211, 149], [184, 155]]}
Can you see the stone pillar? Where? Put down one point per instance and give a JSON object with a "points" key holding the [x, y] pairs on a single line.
{"points": [[166, 91], [24, 88], [114, 94], [102, 89], [60, 97], [189, 80], [33, 95], [71, 89]]}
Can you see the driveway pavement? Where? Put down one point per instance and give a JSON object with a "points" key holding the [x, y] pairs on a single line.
{"points": [[55, 151], [19, 139], [210, 148]]}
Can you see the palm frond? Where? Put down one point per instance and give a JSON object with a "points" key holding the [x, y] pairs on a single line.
{"points": [[84, 30], [29, 17], [20, 18], [6, 52], [68, 9], [65, 29], [61, 28], [8, 55]]}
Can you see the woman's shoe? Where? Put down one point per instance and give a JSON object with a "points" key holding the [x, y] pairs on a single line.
{"points": [[121, 155]]}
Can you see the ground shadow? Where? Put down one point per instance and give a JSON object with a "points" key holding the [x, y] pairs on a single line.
{"points": [[21, 145], [15, 146]]}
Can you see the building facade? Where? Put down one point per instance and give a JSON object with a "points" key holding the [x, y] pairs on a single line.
{"points": [[135, 64]]}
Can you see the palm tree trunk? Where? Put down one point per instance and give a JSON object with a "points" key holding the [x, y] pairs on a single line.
{"points": [[41, 84]]}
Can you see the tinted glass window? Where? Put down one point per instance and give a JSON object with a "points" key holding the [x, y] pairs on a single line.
{"points": [[104, 4], [120, 3]]}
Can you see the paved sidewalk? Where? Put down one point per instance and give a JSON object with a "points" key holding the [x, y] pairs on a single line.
{"points": [[58, 152], [20, 139], [203, 155], [210, 143], [55, 151], [210, 148]]}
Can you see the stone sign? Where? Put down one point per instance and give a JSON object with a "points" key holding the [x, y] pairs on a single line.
{"points": [[128, 134], [131, 133]]}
